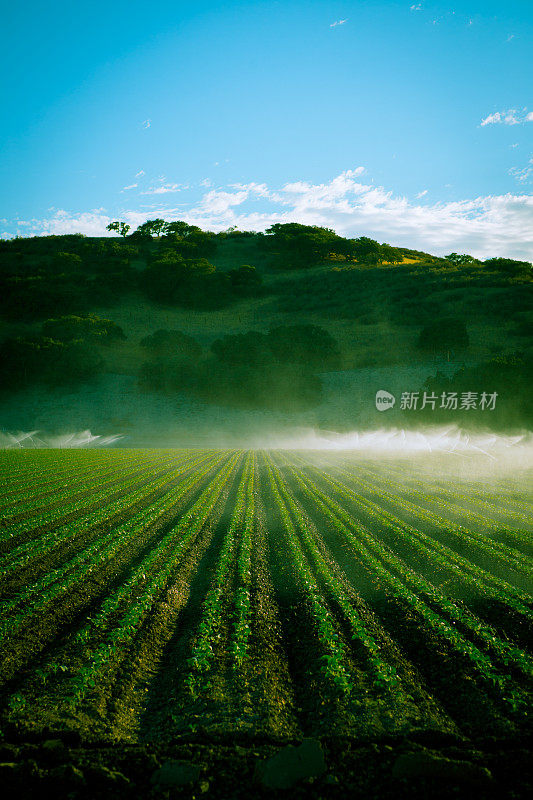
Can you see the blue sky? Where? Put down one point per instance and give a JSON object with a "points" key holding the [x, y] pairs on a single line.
{"points": [[410, 122]]}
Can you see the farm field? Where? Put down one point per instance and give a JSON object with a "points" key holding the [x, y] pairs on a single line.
{"points": [[154, 599]]}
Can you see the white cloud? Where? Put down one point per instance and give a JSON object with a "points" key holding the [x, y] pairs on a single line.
{"points": [[139, 174], [258, 189], [493, 225], [91, 223], [421, 194], [509, 117], [217, 203], [127, 188], [416, 7], [338, 22], [510, 37], [523, 175], [484, 226], [492, 119], [147, 123], [164, 189]]}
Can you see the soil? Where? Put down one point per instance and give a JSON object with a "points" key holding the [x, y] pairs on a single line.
{"points": [[59, 765]]}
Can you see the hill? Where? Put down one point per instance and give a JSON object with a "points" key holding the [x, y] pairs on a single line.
{"points": [[372, 301]]}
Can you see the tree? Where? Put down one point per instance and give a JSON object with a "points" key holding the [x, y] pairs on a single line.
{"points": [[390, 254], [367, 251], [251, 348], [205, 243], [189, 240], [174, 279], [121, 228], [86, 328], [444, 334], [172, 344], [66, 263], [38, 359], [302, 245], [245, 281], [182, 229], [508, 265], [309, 345], [152, 227], [40, 295], [508, 377], [460, 259]]}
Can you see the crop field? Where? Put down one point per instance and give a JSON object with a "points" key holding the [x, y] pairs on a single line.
{"points": [[154, 596]]}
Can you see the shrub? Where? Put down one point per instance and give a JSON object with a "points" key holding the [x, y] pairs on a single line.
{"points": [[87, 328], [444, 334], [38, 359], [310, 345], [245, 281], [172, 344], [250, 348]]}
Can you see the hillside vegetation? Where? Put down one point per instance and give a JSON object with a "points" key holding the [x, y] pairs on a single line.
{"points": [[252, 320]]}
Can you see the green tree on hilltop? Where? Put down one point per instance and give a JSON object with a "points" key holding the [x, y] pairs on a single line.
{"points": [[152, 227], [461, 259], [121, 228]]}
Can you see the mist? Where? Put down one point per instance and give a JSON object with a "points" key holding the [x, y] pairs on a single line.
{"points": [[437, 449], [40, 439]]}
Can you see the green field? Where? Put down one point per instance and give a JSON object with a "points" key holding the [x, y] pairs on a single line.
{"points": [[151, 596]]}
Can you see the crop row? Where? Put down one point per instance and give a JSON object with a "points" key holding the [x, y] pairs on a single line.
{"points": [[108, 635], [52, 585], [434, 608], [125, 629], [448, 492], [242, 629], [35, 485], [129, 497], [383, 674], [203, 648], [515, 558], [22, 471], [429, 495], [52, 519], [36, 502], [334, 666], [434, 551]]}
